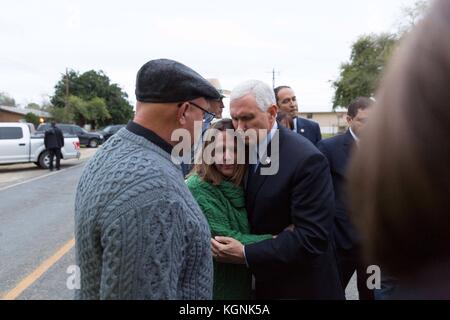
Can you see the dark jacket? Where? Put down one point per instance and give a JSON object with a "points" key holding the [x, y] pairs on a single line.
{"points": [[337, 150], [309, 129], [53, 138], [298, 264]]}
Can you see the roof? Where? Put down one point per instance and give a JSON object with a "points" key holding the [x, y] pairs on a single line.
{"points": [[24, 111]]}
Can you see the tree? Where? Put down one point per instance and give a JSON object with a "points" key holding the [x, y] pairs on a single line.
{"points": [[370, 53], [97, 111], [82, 112], [33, 105], [77, 110], [92, 111], [6, 100], [95, 84], [360, 76], [411, 15], [32, 118], [62, 115]]}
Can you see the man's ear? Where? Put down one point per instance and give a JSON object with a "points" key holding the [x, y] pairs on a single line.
{"points": [[349, 119], [273, 110], [181, 114]]}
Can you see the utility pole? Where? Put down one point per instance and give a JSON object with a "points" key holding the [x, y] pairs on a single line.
{"points": [[274, 73], [66, 102], [273, 78]]}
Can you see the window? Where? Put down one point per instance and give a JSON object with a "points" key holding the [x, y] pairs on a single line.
{"points": [[43, 127], [78, 130], [65, 128], [10, 133]]}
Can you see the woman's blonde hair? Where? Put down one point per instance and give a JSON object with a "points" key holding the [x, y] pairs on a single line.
{"points": [[209, 172]]}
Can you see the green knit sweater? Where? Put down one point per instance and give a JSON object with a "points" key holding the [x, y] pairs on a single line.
{"points": [[224, 208]]}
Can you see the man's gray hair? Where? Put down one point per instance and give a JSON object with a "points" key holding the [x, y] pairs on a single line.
{"points": [[263, 93]]}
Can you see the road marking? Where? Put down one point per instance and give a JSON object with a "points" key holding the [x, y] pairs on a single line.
{"points": [[38, 272], [40, 177]]}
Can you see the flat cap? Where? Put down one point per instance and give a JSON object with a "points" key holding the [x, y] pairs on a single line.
{"points": [[168, 81]]}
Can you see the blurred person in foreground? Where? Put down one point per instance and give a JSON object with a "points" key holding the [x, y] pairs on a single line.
{"points": [[400, 176]]}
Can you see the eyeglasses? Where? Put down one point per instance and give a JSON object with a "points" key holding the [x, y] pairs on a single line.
{"points": [[207, 116]]}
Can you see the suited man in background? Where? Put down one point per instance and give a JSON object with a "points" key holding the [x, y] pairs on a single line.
{"points": [[54, 141], [299, 263], [287, 101], [337, 150]]}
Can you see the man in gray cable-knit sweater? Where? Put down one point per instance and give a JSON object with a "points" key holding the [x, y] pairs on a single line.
{"points": [[139, 232]]}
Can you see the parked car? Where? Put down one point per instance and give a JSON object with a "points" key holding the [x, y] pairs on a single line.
{"points": [[18, 144], [108, 131], [91, 139]]}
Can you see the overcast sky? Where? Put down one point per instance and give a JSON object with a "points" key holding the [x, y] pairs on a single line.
{"points": [[304, 40]]}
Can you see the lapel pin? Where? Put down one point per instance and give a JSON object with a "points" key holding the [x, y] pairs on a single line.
{"points": [[302, 130], [267, 161]]}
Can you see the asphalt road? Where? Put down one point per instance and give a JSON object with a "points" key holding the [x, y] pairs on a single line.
{"points": [[16, 173], [36, 232], [36, 220]]}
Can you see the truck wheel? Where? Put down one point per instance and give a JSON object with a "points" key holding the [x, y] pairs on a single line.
{"points": [[93, 143], [44, 160]]}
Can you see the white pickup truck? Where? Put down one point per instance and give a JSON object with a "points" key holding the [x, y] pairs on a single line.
{"points": [[19, 143]]}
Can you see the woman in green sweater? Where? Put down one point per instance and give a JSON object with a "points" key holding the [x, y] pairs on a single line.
{"points": [[218, 190]]}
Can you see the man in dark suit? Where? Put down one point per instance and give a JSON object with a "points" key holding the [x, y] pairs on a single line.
{"points": [[289, 185], [337, 150], [54, 141], [287, 101]]}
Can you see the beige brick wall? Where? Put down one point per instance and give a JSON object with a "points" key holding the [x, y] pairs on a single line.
{"points": [[9, 117], [329, 122]]}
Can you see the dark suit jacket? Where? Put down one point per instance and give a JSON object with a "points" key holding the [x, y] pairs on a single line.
{"points": [[337, 150], [53, 138], [298, 264], [309, 129]]}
